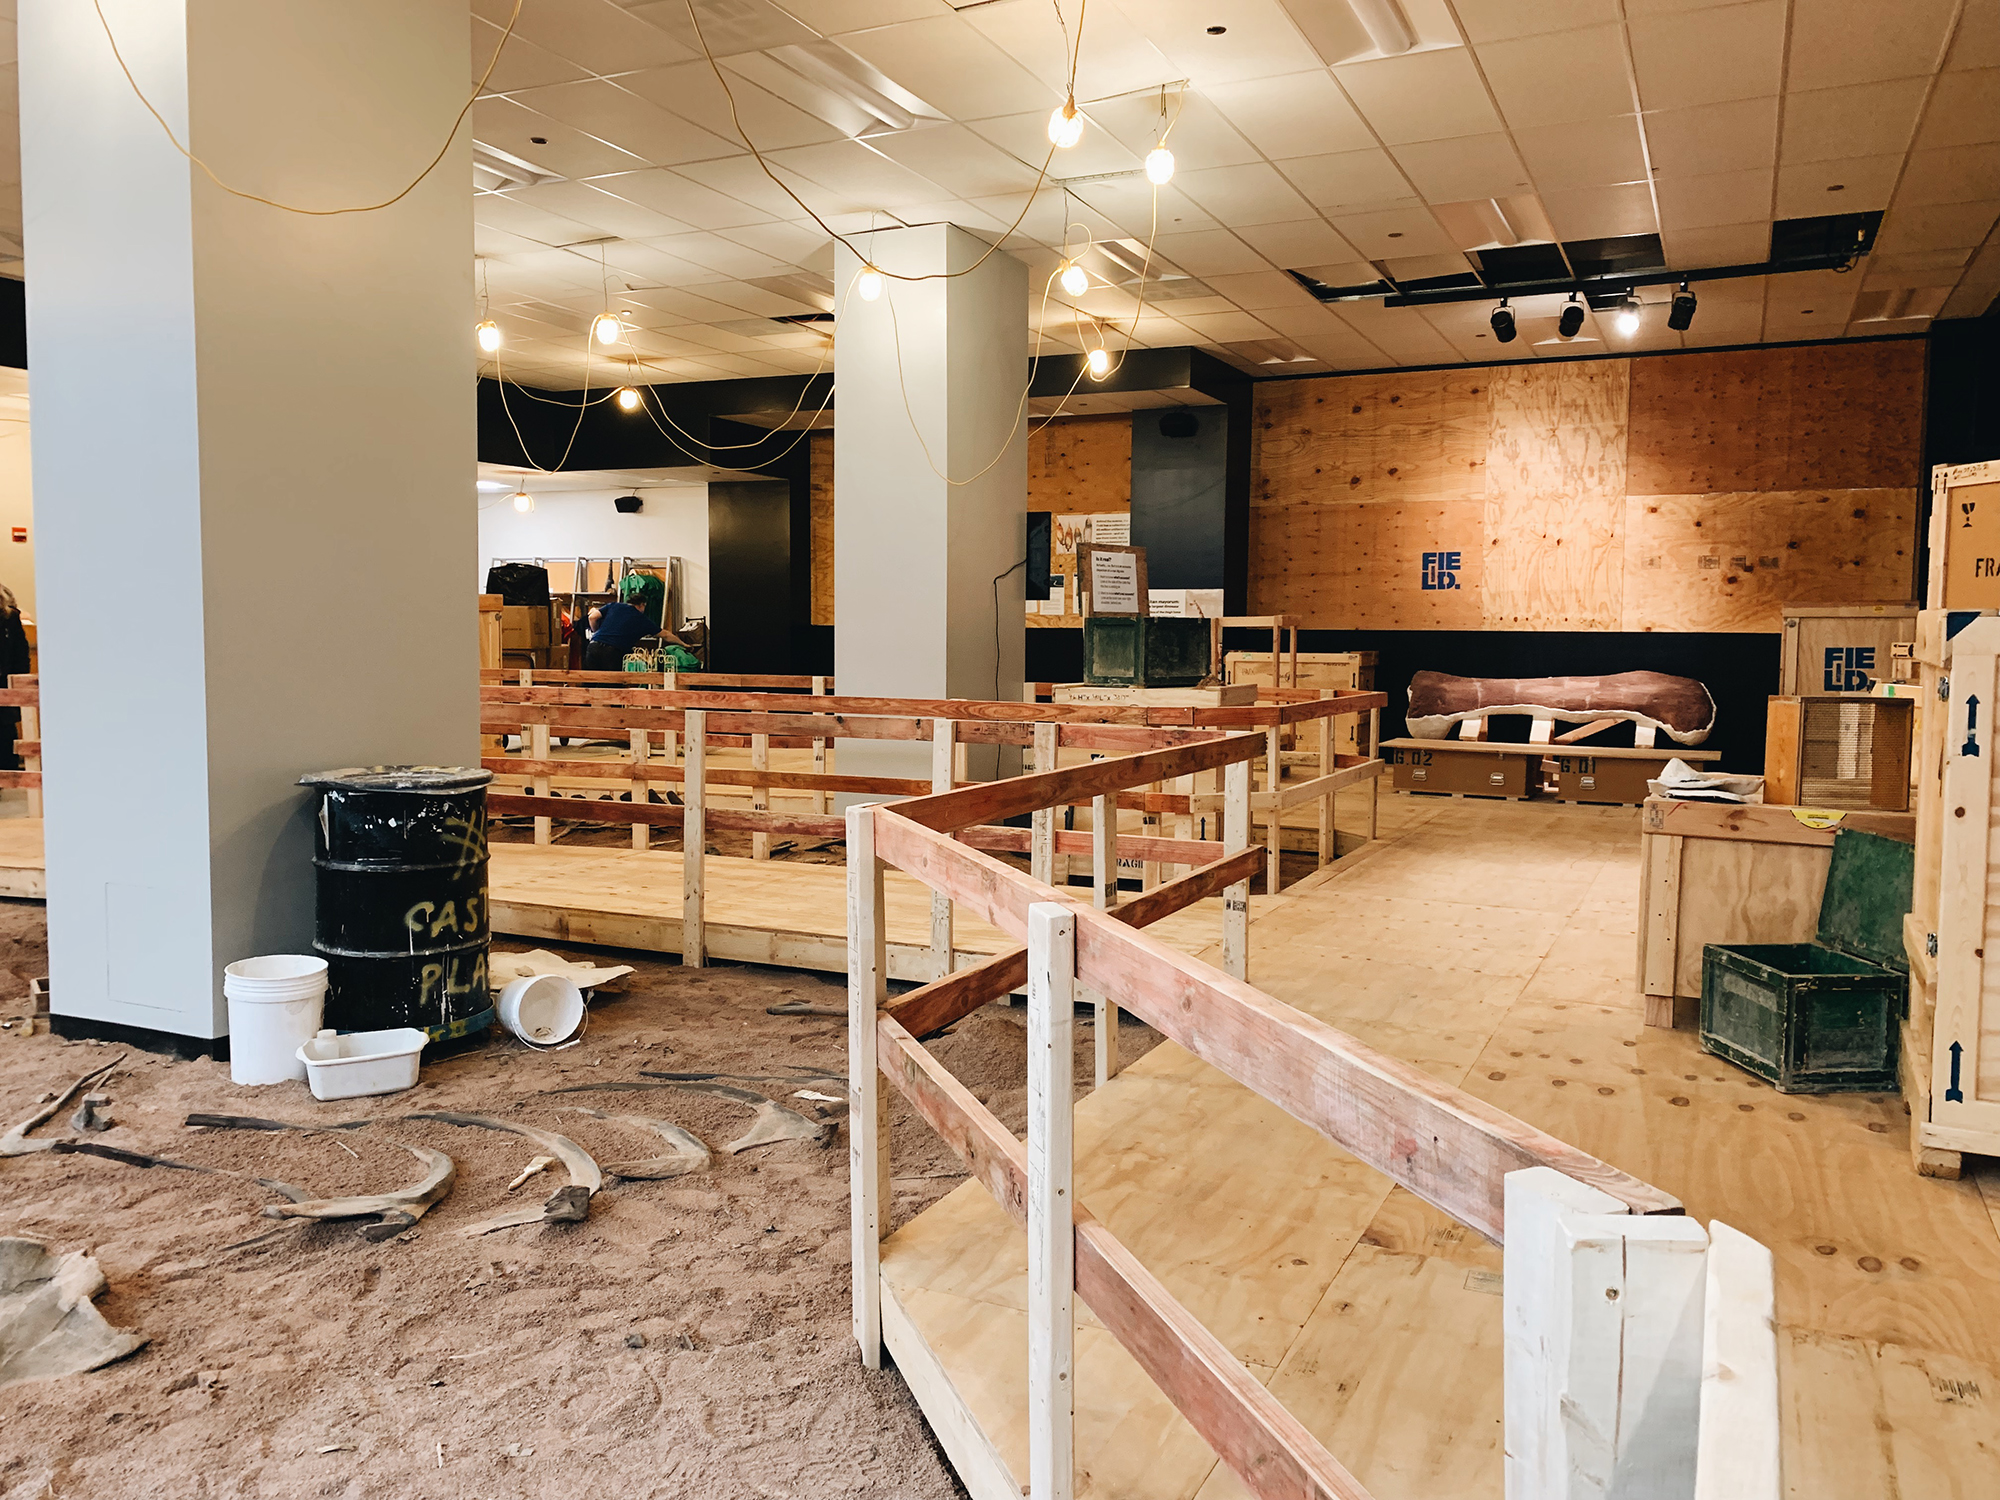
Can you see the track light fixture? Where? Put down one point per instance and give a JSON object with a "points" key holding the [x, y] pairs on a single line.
{"points": [[627, 398], [1571, 319], [1065, 123], [607, 327], [1075, 280], [868, 283], [1628, 317], [488, 334], [1503, 322], [1681, 314]]}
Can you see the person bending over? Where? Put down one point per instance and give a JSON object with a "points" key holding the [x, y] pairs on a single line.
{"points": [[615, 628]]}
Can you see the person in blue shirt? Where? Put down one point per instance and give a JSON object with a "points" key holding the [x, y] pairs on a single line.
{"points": [[615, 628]]}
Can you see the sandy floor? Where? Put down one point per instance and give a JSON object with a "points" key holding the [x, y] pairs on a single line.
{"points": [[690, 1339]]}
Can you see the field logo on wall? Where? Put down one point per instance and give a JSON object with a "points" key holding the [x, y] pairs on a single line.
{"points": [[1441, 569], [1847, 669]]}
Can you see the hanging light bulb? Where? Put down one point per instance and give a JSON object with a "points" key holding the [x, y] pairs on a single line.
{"points": [[607, 327], [1065, 124], [628, 399], [1628, 317], [1075, 280], [1159, 166], [868, 283], [488, 334], [1099, 363], [523, 501]]}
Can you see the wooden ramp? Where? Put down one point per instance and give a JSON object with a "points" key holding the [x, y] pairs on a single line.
{"points": [[757, 911], [22, 871], [1493, 945]]}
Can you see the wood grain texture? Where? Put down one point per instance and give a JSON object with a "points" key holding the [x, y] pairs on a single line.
{"points": [[1081, 465], [819, 459], [1730, 561]]}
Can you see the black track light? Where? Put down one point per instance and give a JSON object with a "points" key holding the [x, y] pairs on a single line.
{"points": [[1681, 314], [1503, 322], [1571, 319]]}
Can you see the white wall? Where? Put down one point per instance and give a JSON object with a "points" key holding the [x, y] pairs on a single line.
{"points": [[582, 523], [17, 559]]}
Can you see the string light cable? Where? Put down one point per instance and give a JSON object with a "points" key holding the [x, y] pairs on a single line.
{"points": [[358, 208]]}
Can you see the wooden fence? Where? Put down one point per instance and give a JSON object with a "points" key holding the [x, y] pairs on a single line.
{"points": [[1603, 1384], [25, 693]]}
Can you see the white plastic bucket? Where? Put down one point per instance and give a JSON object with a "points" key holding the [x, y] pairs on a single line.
{"points": [[274, 1009], [363, 1062], [545, 1010]]}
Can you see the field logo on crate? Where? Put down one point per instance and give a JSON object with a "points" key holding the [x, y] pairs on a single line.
{"points": [[1847, 669], [1441, 569]]}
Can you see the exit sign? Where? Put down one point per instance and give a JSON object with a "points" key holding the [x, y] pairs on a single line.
{"points": [[20, 533]]}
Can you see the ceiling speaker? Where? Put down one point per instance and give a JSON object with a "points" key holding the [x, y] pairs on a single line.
{"points": [[628, 504], [1179, 424]]}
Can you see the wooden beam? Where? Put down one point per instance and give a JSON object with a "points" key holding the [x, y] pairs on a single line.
{"points": [[1584, 731], [1051, 1202], [991, 801], [1444, 1145], [694, 840], [867, 1106], [582, 769], [1246, 1426], [1021, 841]]}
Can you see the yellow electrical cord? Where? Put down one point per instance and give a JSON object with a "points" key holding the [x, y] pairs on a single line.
{"points": [[358, 208]]}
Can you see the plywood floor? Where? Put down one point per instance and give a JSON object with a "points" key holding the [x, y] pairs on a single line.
{"points": [[1491, 943]]}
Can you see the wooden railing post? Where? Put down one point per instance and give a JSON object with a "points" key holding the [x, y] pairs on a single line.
{"points": [[1374, 753], [641, 789], [1274, 825], [760, 797], [538, 749], [1104, 896], [867, 1103], [1236, 899], [693, 838], [819, 802], [1327, 801], [943, 760], [1042, 835], [1051, 1202], [31, 729]]}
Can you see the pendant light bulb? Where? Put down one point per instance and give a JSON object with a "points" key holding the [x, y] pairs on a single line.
{"points": [[1075, 280], [1099, 363], [628, 399], [488, 334], [523, 501], [1065, 124], [868, 283], [1628, 318], [607, 328], [1159, 166]]}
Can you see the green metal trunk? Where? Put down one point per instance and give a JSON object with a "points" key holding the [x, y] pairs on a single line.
{"points": [[1144, 651]]}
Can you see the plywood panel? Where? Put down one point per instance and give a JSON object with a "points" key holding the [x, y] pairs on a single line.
{"points": [[1397, 436], [819, 450], [1555, 482], [1081, 465], [1295, 564], [1846, 416], [1725, 562], [1387, 583]]}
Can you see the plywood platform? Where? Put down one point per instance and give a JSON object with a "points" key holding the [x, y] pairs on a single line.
{"points": [[22, 871], [1491, 944]]}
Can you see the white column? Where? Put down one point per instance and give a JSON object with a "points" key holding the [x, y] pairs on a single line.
{"points": [[930, 375], [253, 462]]}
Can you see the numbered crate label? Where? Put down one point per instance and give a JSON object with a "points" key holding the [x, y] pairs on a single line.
{"points": [[1441, 569]]}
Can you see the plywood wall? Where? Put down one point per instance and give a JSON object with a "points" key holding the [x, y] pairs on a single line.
{"points": [[1693, 492], [820, 472]]}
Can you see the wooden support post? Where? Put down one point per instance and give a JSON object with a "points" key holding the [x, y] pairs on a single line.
{"points": [[1293, 631], [943, 757], [1642, 736], [1184, 825], [1042, 838], [693, 840], [1329, 801], [538, 749], [867, 1104], [819, 802], [31, 729], [1374, 782], [1236, 899], [641, 792], [1051, 1202], [1104, 896], [1274, 826], [760, 796], [1736, 1456]]}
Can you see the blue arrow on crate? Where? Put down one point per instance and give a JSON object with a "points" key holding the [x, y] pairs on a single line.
{"points": [[1955, 1094], [1971, 726]]}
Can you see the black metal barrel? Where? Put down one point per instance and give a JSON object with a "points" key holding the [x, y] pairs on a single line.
{"points": [[400, 853]]}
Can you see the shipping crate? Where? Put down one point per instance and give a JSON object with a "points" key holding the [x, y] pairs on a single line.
{"points": [[1829, 750], [1144, 651], [1162, 697], [1840, 648], [1447, 768], [1821, 1017], [1619, 776], [525, 627], [1312, 669]]}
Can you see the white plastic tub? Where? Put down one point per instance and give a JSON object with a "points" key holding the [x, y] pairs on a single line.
{"points": [[362, 1062], [274, 1004]]}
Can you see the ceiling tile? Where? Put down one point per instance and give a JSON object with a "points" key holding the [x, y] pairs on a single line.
{"points": [[676, 196], [1495, 20], [691, 91], [513, 128], [958, 161], [1198, 135], [1730, 137], [613, 114], [1871, 119], [1299, 114], [1132, 204], [598, 36], [1306, 242], [1837, 42], [1025, 137], [1964, 110], [1717, 245], [1261, 290], [1349, 180], [950, 66], [1601, 212], [505, 212], [855, 178], [1420, 96], [1478, 166], [1241, 196], [1562, 156], [1943, 226], [1116, 57], [741, 178], [1731, 52], [1226, 327], [1718, 198], [1550, 80], [1259, 31], [1210, 252], [1957, 174], [602, 210], [521, 64], [1808, 189], [1395, 232], [1977, 43]]}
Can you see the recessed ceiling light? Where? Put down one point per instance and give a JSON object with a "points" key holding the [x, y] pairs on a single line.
{"points": [[538, 140], [1217, 30]]}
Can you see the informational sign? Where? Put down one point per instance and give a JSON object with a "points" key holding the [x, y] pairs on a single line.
{"points": [[1441, 569], [1115, 578]]}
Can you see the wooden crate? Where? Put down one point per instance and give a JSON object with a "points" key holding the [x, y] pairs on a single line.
{"points": [[1841, 648], [1315, 669], [1730, 873], [1162, 697], [1601, 778], [1839, 750], [1447, 768]]}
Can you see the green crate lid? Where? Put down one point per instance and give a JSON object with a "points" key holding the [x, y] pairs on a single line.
{"points": [[1867, 894]]}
